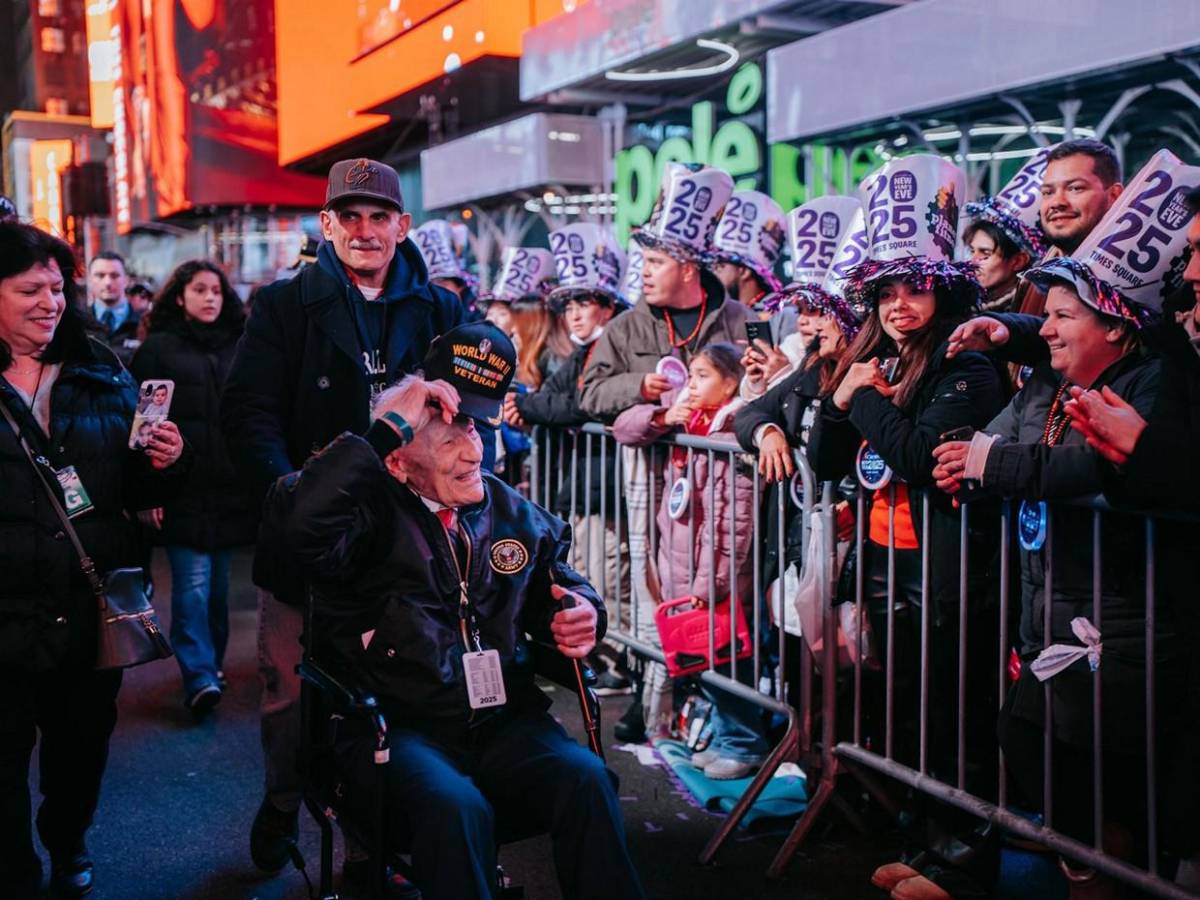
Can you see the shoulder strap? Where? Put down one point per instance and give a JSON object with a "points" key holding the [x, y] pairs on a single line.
{"points": [[85, 561]]}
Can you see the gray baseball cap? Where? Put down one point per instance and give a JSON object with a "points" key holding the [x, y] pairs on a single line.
{"points": [[363, 179]]}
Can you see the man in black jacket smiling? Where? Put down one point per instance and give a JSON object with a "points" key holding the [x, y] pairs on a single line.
{"points": [[316, 350], [427, 576]]}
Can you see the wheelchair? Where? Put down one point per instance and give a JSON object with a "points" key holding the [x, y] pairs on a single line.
{"points": [[329, 698]]}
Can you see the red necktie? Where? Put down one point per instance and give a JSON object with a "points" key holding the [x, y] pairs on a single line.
{"points": [[448, 518]]}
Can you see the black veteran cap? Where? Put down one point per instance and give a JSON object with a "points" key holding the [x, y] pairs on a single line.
{"points": [[479, 360], [363, 179]]}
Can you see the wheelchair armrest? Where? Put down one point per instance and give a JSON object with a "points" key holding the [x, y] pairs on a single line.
{"points": [[551, 664], [344, 695]]}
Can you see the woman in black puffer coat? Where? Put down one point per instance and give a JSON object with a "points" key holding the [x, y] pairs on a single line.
{"points": [[73, 404], [193, 331]]}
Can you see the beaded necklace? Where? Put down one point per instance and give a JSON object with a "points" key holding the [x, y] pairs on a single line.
{"points": [[1058, 420], [695, 331]]}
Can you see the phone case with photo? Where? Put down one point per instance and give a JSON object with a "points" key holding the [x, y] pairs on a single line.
{"points": [[154, 405]]}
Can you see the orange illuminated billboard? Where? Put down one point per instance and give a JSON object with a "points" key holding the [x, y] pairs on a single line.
{"points": [[195, 120], [47, 160], [104, 58], [338, 58]]}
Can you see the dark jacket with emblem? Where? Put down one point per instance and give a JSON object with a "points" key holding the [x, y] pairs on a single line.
{"points": [[297, 379], [47, 609], [380, 561], [210, 511]]}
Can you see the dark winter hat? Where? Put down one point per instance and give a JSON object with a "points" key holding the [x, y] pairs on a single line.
{"points": [[479, 361], [363, 179]]}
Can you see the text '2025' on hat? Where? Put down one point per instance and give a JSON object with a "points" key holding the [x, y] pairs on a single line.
{"points": [[363, 179], [478, 360]]}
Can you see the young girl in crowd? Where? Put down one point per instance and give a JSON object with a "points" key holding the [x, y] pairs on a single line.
{"points": [[687, 551], [193, 329]]}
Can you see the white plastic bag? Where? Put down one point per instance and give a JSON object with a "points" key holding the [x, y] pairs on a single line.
{"points": [[785, 595], [817, 586], [816, 581]]}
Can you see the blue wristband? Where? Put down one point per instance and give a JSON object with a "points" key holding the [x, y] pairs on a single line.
{"points": [[401, 425]]}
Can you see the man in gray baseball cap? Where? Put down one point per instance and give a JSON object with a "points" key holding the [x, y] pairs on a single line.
{"points": [[364, 220], [363, 179]]}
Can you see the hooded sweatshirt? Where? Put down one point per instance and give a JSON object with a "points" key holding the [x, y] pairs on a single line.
{"points": [[406, 274]]}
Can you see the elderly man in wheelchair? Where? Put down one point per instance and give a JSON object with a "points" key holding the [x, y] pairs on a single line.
{"points": [[427, 575]]}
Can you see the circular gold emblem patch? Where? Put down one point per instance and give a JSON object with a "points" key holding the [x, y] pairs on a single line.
{"points": [[509, 556]]}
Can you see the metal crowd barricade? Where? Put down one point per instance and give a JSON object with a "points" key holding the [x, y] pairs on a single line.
{"points": [[830, 757], [555, 460], [854, 758]]}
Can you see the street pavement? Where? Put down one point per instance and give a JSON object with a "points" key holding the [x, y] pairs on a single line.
{"points": [[179, 797]]}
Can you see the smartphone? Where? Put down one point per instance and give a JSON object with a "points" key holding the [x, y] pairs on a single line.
{"points": [[153, 406], [963, 433], [889, 368], [759, 331]]}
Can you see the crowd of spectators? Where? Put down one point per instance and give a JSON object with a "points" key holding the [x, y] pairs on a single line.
{"points": [[993, 362]]}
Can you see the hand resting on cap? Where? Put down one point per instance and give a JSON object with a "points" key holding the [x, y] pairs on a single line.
{"points": [[418, 402]]}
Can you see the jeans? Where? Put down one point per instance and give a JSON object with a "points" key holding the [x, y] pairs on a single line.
{"points": [[451, 788], [75, 711], [199, 614], [736, 722]]}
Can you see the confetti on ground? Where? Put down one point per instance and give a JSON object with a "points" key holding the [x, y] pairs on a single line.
{"points": [[644, 752], [651, 828]]}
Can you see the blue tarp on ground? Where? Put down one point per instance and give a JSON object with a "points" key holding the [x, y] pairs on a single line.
{"points": [[784, 797]]}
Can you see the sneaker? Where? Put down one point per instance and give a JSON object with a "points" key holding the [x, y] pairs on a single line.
{"points": [[272, 836], [704, 758], [726, 769], [201, 703], [610, 684], [631, 727]]}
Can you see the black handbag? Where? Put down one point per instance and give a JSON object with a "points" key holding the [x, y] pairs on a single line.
{"points": [[128, 632]]}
